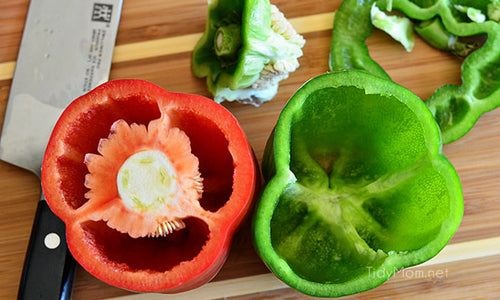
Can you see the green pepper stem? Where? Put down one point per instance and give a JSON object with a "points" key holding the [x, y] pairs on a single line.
{"points": [[227, 40]]}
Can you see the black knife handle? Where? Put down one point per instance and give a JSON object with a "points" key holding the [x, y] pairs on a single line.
{"points": [[48, 267]]}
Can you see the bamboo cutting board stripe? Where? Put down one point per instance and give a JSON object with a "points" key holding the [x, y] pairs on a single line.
{"points": [[268, 282], [184, 43], [7, 70]]}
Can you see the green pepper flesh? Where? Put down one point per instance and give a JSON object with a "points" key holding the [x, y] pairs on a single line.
{"points": [[357, 186]]}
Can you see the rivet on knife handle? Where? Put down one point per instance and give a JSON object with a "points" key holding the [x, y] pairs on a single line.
{"points": [[45, 272]]}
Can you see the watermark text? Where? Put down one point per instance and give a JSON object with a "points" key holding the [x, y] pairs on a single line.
{"points": [[409, 273]]}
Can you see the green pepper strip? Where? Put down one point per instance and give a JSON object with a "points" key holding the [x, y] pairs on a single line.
{"points": [[455, 108], [434, 33], [357, 186], [352, 26]]}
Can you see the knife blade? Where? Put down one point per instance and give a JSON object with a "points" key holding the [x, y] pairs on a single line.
{"points": [[65, 51]]}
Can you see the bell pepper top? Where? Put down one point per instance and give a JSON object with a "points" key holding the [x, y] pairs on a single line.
{"points": [[151, 185], [447, 25], [356, 186], [248, 47]]}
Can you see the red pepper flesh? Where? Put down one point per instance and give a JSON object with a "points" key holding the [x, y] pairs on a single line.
{"points": [[186, 258]]}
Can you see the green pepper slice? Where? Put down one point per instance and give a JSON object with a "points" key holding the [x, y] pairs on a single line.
{"points": [[455, 108], [357, 186], [351, 28]]}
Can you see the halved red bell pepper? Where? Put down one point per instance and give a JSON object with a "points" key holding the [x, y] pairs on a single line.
{"points": [[151, 185]]}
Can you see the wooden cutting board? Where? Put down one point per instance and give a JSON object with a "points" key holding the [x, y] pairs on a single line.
{"points": [[154, 42]]}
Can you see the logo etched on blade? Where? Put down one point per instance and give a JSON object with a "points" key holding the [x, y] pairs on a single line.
{"points": [[102, 12]]}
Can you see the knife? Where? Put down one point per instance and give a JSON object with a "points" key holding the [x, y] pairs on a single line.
{"points": [[65, 51]]}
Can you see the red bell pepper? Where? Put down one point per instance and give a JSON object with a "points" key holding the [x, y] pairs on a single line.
{"points": [[151, 185]]}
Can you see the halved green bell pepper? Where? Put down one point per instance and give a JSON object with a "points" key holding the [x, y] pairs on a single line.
{"points": [[444, 24], [357, 186]]}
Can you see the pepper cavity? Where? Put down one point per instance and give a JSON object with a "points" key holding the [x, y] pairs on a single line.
{"points": [[157, 179]]}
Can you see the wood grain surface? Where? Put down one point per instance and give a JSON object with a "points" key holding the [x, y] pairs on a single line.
{"points": [[154, 42]]}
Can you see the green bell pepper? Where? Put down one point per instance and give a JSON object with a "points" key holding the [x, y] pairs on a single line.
{"points": [[446, 25], [357, 186], [248, 47]]}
